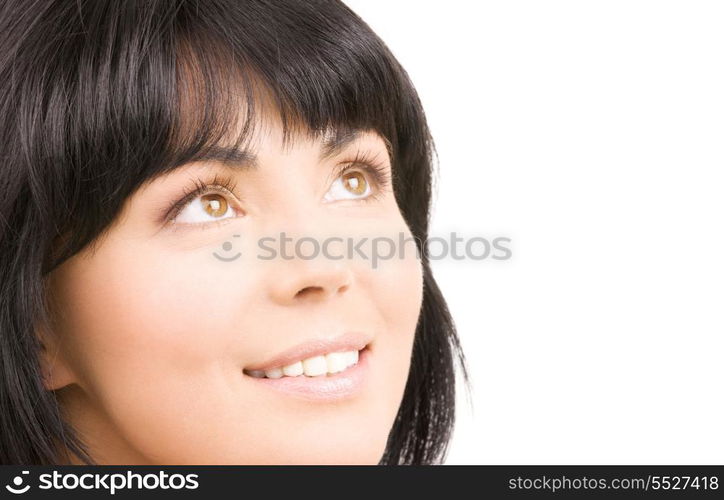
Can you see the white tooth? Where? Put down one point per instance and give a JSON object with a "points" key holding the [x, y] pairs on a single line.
{"points": [[315, 366], [350, 358], [256, 373], [274, 373], [293, 370], [336, 362]]}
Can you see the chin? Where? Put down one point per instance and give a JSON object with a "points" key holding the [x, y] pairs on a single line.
{"points": [[369, 453]]}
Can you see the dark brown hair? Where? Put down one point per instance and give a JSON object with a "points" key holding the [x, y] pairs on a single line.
{"points": [[97, 98]]}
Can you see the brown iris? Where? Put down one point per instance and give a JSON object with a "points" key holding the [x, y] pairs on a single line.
{"points": [[214, 204], [355, 182]]}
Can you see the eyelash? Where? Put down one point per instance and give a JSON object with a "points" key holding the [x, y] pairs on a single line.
{"points": [[225, 185]]}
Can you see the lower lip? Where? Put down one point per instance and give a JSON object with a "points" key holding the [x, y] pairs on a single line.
{"points": [[338, 386]]}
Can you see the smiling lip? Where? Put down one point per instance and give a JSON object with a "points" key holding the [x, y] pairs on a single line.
{"points": [[329, 387], [352, 341], [324, 388]]}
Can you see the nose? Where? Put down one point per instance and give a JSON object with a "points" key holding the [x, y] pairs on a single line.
{"points": [[303, 281]]}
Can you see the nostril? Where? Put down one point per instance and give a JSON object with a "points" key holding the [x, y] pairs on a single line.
{"points": [[309, 290], [317, 290]]}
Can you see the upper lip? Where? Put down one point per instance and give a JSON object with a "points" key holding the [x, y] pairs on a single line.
{"points": [[350, 341]]}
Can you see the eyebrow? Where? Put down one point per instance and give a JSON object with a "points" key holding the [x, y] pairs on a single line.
{"points": [[335, 143], [246, 159]]}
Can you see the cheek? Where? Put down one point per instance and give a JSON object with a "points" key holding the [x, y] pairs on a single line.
{"points": [[134, 310], [396, 287], [149, 341]]}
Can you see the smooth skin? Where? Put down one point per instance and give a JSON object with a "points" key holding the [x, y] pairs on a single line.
{"points": [[151, 332]]}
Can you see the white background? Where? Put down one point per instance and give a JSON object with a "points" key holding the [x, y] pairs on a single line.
{"points": [[592, 134]]}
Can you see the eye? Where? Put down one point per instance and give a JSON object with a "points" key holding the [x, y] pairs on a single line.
{"points": [[205, 203], [205, 208], [351, 184]]}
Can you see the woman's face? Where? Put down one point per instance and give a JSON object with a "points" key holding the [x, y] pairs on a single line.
{"points": [[167, 345]]}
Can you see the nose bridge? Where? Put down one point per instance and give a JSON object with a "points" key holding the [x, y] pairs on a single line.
{"points": [[309, 265]]}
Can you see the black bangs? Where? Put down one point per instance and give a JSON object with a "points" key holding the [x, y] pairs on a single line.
{"points": [[317, 69], [153, 85]]}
